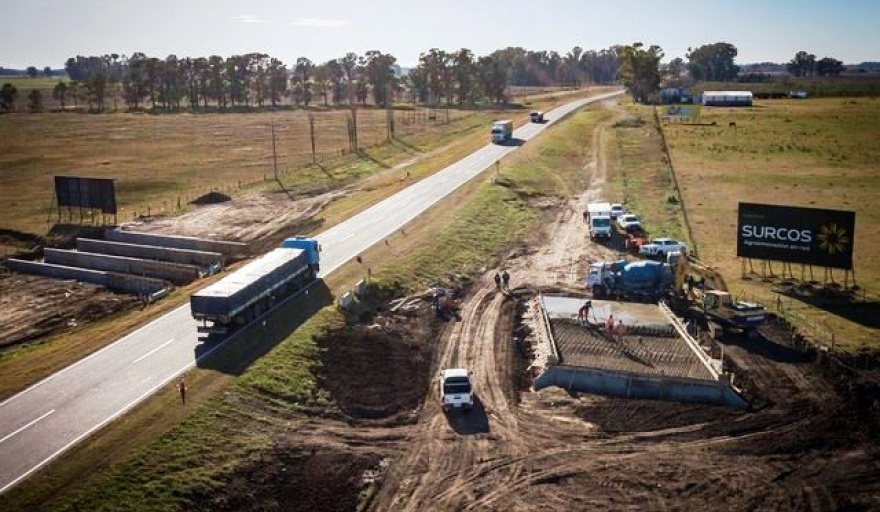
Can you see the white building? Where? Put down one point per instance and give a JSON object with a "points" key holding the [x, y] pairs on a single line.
{"points": [[727, 98]]}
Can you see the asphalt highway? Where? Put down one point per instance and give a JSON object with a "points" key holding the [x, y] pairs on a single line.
{"points": [[43, 421]]}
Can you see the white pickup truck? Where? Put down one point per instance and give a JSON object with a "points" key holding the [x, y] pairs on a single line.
{"points": [[456, 391], [661, 247]]}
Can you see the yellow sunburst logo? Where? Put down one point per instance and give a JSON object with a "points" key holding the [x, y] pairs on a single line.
{"points": [[832, 238]]}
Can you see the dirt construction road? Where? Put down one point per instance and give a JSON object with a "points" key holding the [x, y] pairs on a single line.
{"points": [[809, 443]]}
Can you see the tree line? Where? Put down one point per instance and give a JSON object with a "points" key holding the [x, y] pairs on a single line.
{"points": [[259, 80], [441, 77]]}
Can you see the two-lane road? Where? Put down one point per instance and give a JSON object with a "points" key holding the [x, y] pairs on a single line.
{"points": [[46, 419]]}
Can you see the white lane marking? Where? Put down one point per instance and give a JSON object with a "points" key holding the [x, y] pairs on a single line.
{"points": [[148, 354], [26, 426], [115, 344]]}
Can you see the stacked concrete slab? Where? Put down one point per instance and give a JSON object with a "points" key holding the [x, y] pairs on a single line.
{"points": [[207, 261], [231, 250], [174, 272], [122, 282]]}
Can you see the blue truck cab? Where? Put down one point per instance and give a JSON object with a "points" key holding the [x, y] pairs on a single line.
{"points": [[310, 246]]}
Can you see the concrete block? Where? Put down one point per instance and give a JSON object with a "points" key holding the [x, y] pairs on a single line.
{"points": [[233, 250]]}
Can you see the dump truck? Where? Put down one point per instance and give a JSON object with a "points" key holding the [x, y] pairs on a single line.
{"points": [[250, 291], [638, 281], [502, 131], [598, 219]]}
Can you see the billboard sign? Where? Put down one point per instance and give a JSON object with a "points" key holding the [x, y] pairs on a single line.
{"points": [[811, 236], [95, 193]]}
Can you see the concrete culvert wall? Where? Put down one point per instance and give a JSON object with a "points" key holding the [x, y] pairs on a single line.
{"points": [[174, 272], [59, 271], [232, 250], [152, 252]]}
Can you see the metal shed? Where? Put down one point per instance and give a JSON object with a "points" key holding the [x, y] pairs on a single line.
{"points": [[727, 98]]}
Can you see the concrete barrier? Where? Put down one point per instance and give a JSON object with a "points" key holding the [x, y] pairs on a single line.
{"points": [[174, 272], [152, 288], [345, 300], [360, 288], [59, 271], [203, 259], [232, 250]]}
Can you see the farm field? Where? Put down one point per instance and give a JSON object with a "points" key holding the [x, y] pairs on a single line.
{"points": [[819, 153], [162, 162], [343, 413]]}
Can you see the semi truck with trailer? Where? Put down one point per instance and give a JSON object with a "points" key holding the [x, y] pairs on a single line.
{"points": [[250, 291], [502, 131]]}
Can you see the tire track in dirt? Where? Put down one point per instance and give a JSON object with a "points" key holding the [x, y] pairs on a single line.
{"points": [[446, 470]]}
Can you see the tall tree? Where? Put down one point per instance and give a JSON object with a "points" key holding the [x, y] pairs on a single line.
{"points": [[60, 93], [323, 84], [493, 78], [8, 94], [47, 72], [713, 62], [277, 81], [803, 64], [464, 71], [302, 74], [35, 101], [828, 66], [32, 72], [134, 83], [379, 74], [337, 75], [640, 70]]}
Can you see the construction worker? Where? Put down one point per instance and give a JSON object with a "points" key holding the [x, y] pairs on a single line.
{"points": [[584, 312], [609, 324], [620, 330], [505, 277], [497, 281]]}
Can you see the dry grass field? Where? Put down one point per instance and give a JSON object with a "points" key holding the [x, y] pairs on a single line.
{"points": [[161, 161], [818, 153]]}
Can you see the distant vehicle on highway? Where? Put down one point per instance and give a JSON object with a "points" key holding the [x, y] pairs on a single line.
{"points": [[502, 131], [456, 391], [617, 210], [536, 116]]}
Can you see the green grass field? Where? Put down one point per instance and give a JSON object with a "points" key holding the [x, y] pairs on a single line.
{"points": [[819, 153]]}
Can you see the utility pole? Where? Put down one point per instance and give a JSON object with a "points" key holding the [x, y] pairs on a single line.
{"points": [[274, 154]]}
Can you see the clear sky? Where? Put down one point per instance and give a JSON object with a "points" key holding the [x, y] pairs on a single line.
{"points": [[46, 32]]}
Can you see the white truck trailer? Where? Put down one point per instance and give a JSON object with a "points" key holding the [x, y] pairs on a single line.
{"points": [[502, 131]]}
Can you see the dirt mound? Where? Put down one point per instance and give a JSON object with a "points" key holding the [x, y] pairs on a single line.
{"points": [[211, 198], [377, 371]]}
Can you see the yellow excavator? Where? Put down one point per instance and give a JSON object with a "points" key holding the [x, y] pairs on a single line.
{"points": [[702, 288]]}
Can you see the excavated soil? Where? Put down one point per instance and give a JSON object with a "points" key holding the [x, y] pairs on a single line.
{"points": [[33, 307]]}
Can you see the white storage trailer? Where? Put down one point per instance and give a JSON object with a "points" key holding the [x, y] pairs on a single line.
{"points": [[253, 289]]}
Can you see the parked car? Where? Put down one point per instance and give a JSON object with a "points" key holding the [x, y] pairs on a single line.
{"points": [[617, 210], [660, 247], [456, 391], [628, 222]]}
